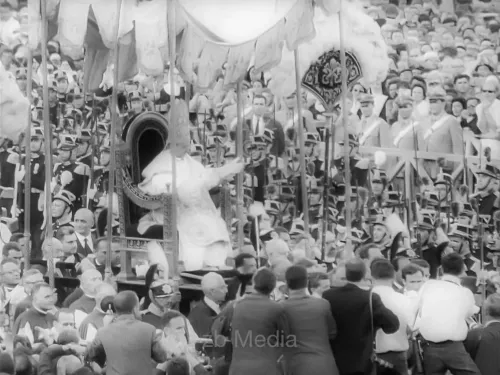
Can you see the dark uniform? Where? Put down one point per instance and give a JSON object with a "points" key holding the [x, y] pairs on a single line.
{"points": [[37, 171], [77, 184], [8, 162], [101, 180]]}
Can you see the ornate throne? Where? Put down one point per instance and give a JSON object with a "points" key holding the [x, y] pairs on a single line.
{"points": [[143, 138]]}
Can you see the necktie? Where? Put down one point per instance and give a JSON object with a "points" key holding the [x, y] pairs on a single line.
{"points": [[87, 247]]}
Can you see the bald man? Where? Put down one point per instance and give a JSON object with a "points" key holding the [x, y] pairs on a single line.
{"points": [[139, 341], [83, 222], [89, 282], [204, 312]]}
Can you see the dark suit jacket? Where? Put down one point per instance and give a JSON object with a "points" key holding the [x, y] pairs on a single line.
{"points": [[483, 345], [80, 247], [312, 325], [138, 344], [201, 318], [256, 323], [279, 135], [353, 345]]}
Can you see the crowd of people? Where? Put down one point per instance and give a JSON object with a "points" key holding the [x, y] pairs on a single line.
{"points": [[396, 294]]}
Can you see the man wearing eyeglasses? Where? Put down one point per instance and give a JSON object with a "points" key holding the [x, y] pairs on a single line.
{"points": [[488, 116]]}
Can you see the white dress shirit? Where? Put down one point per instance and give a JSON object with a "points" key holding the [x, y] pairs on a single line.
{"points": [[203, 236]]}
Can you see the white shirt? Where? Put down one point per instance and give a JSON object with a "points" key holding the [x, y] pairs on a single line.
{"points": [[405, 310], [444, 306], [212, 305], [82, 239], [258, 125], [494, 111]]}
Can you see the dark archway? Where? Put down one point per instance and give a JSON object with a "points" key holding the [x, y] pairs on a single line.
{"points": [[150, 144]]}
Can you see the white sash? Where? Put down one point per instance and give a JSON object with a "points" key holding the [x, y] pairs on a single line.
{"points": [[436, 126], [404, 132], [370, 130]]}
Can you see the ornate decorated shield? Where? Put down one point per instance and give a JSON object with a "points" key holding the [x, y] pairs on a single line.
{"points": [[324, 78]]}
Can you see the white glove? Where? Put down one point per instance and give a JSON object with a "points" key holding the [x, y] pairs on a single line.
{"points": [[41, 202], [66, 178], [15, 212], [53, 185], [91, 193], [19, 174]]}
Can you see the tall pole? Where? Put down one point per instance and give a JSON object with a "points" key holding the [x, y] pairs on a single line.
{"points": [[27, 167], [112, 134], [303, 174], [239, 154], [172, 133], [48, 150], [345, 115]]}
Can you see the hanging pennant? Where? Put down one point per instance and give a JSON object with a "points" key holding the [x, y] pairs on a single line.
{"points": [[191, 46], [73, 19], [34, 24], [323, 77], [238, 61], [299, 26], [106, 18], [150, 35], [211, 60], [269, 47]]}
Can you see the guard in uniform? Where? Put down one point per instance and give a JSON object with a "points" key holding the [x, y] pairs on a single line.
{"points": [[373, 131], [487, 200], [443, 134], [84, 149], [69, 174], [99, 192], [9, 158], [62, 208], [37, 188]]}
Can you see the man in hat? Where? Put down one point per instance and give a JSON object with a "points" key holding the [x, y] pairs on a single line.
{"points": [[55, 108], [99, 193], [62, 85], [381, 237], [406, 133], [37, 172], [136, 105], [69, 174], [62, 207], [443, 133], [84, 149], [487, 200], [9, 158], [373, 131]]}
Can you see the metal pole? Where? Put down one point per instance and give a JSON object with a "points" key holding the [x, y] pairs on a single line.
{"points": [[27, 167], [172, 134], [303, 175], [112, 134], [240, 176], [326, 181], [48, 151], [345, 114]]}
